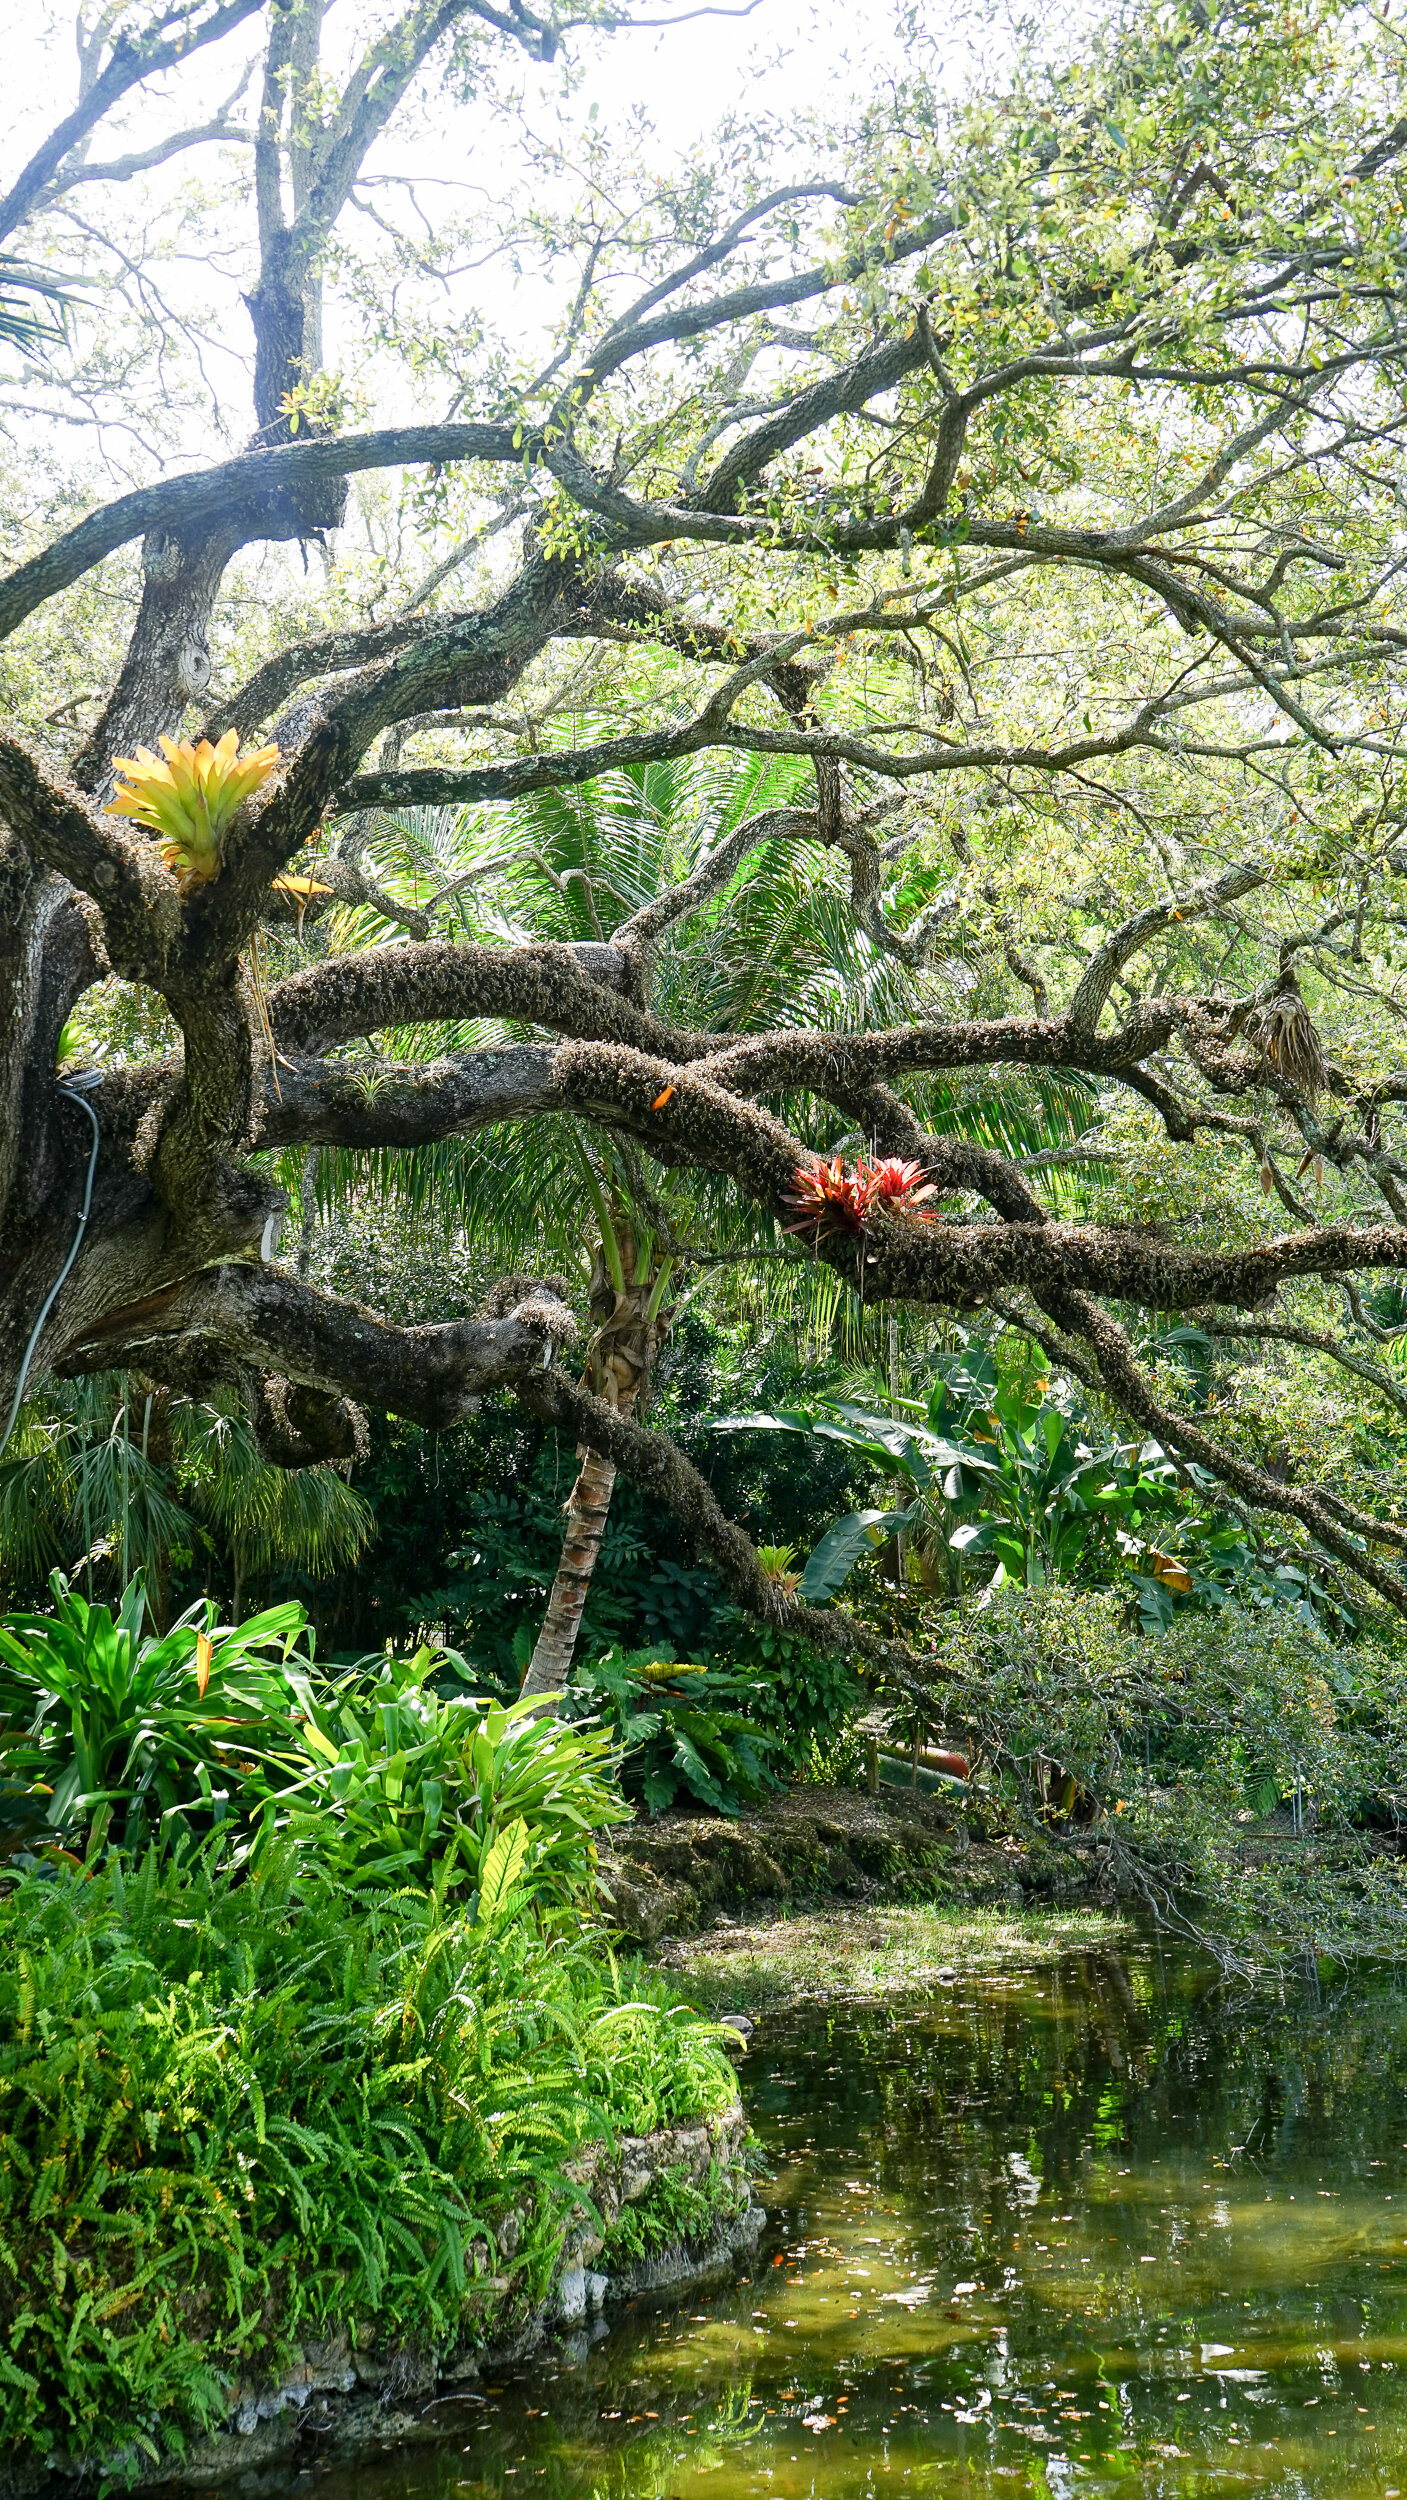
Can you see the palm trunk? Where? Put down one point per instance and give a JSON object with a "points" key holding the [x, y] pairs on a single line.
{"points": [[619, 1370], [587, 1506]]}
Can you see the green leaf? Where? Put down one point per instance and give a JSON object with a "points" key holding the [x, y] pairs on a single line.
{"points": [[501, 1870], [833, 1560]]}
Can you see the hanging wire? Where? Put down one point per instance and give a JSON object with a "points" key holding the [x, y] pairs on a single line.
{"points": [[77, 1088]]}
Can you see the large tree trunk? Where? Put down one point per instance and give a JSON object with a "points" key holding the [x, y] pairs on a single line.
{"points": [[168, 663], [618, 1371]]}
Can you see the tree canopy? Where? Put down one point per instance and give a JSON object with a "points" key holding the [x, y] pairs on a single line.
{"points": [[1019, 477]]}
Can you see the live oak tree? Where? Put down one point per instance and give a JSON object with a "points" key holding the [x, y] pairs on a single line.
{"points": [[1032, 472]]}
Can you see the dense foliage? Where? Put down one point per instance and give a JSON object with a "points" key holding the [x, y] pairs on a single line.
{"points": [[234, 2113], [108, 1728], [1005, 1477], [113, 1732], [1240, 1770], [111, 1475], [304, 1989]]}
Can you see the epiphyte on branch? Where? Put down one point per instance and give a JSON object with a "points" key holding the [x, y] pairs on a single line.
{"points": [[828, 1198], [191, 799]]}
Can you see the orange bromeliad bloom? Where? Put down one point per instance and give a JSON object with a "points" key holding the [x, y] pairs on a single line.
{"points": [[829, 1199]]}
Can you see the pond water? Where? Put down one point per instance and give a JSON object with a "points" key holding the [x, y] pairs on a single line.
{"points": [[1110, 2226]]}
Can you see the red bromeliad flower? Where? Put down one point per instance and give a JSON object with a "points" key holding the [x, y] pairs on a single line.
{"points": [[828, 1199], [902, 1186]]}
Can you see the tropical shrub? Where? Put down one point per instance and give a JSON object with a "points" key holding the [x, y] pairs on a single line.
{"points": [[1172, 1747], [111, 1731], [393, 1783], [688, 1733], [1248, 1706], [803, 1698], [127, 1477], [236, 2113], [120, 1729], [469, 1534], [469, 1521]]}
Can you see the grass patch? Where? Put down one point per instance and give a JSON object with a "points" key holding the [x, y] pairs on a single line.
{"points": [[870, 1954]]}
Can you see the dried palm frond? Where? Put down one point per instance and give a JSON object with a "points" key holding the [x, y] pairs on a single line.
{"points": [[1283, 1030]]}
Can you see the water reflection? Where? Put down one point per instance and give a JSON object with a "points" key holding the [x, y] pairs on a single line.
{"points": [[1104, 2228]]}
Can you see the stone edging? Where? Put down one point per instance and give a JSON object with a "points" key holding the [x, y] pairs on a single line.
{"points": [[351, 2393]]}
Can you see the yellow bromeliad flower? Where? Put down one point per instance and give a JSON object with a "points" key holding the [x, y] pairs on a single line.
{"points": [[188, 801]]}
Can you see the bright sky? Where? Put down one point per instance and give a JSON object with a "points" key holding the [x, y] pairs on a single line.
{"points": [[776, 59]]}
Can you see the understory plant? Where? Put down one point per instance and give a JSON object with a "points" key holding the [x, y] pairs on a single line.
{"points": [[235, 2113], [688, 1733], [395, 1783], [107, 1726], [111, 1475], [1000, 1481], [107, 1730], [678, 2210], [805, 1697]]}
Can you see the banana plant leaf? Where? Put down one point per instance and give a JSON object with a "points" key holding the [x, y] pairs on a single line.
{"points": [[860, 1532], [895, 1447]]}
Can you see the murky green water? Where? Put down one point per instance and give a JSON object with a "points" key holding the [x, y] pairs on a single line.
{"points": [[1108, 2228]]}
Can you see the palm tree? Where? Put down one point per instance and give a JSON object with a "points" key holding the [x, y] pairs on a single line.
{"points": [[628, 1287], [109, 1477], [582, 860]]}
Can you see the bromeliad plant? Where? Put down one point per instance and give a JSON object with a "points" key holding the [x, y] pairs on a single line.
{"points": [[190, 800], [113, 1728], [826, 1198]]}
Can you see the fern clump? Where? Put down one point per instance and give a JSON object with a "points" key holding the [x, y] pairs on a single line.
{"points": [[234, 2113]]}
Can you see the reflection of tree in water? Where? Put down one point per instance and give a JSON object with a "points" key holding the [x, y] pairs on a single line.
{"points": [[1287, 2078], [1139, 2055], [594, 2450]]}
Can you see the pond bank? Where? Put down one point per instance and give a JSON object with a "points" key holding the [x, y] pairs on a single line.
{"points": [[811, 1845], [276, 2148], [669, 2210], [874, 1955], [677, 2212], [1101, 2226]]}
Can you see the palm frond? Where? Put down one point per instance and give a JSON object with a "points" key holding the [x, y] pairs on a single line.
{"points": [[35, 305], [778, 946]]}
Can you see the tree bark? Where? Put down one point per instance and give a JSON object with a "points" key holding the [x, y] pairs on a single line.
{"points": [[167, 663], [587, 1508], [618, 1371]]}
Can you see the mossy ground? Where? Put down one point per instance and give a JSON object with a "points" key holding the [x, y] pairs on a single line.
{"points": [[865, 1955]]}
